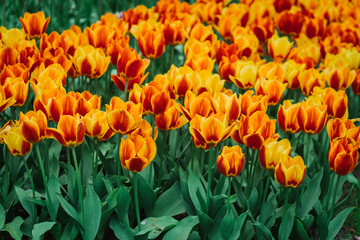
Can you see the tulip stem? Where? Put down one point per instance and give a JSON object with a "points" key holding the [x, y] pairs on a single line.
{"points": [[209, 178], [126, 89], [264, 195], [307, 148], [4, 14], [137, 201], [254, 163], [285, 202], [119, 162], [32, 188], [329, 191], [96, 155], [337, 178], [79, 184], [45, 182], [229, 194], [171, 55], [6, 177]]}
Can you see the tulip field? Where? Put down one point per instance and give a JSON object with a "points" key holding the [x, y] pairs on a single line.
{"points": [[172, 119]]}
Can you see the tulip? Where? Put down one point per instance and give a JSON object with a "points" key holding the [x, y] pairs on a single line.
{"points": [[211, 130], [338, 129], [144, 129], [182, 79], [289, 22], [170, 119], [272, 70], [263, 28], [154, 99], [271, 153], [5, 102], [152, 44], [200, 63], [314, 27], [136, 153], [16, 88], [231, 161], [98, 36], [255, 130], [251, 103], [18, 70], [90, 61], [11, 135], [34, 24], [312, 118], [272, 88], [203, 33], [123, 118], [174, 32], [8, 56], [70, 131], [292, 71], [288, 117], [227, 51], [343, 157], [197, 105], [12, 36], [355, 86], [195, 49], [96, 126], [309, 79], [245, 74], [229, 105], [33, 126], [307, 51], [290, 172], [208, 82], [279, 47], [339, 77], [116, 47], [336, 102]]}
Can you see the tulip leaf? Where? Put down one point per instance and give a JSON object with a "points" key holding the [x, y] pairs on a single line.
{"points": [[206, 223], [322, 224], [146, 195], [54, 155], [24, 197], [239, 222], [196, 191], [40, 229], [156, 226], [182, 230], [254, 202], [300, 231], [121, 231], [169, 203], [70, 210], [92, 210], [70, 231], [2, 216], [185, 193], [311, 195], [353, 180], [287, 223], [337, 223], [263, 230], [13, 228], [123, 199], [54, 188], [227, 226]]}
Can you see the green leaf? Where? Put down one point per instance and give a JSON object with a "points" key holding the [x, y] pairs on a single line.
{"points": [[54, 155], [287, 223], [70, 210], [121, 231], [322, 224], [24, 197], [221, 186], [156, 226], [41, 228], [92, 211], [146, 195], [13, 228], [123, 199], [352, 179], [268, 217], [54, 188], [254, 202], [170, 203], [182, 230], [337, 223], [300, 231], [311, 195], [227, 226], [2, 216], [196, 191], [70, 231], [206, 223], [265, 232], [239, 222]]}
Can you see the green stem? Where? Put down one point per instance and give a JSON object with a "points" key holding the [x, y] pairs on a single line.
{"points": [[329, 191], [4, 14], [264, 195], [137, 201], [95, 161], [337, 180], [307, 148], [229, 194], [6, 178], [202, 157], [254, 163], [209, 178], [79, 185], [45, 181], [285, 202], [247, 161], [118, 158], [32, 188], [126, 90]]}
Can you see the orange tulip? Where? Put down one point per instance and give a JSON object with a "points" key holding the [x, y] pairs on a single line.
{"points": [[255, 130], [206, 81], [231, 161], [5, 102], [245, 74], [45, 71], [289, 22], [152, 44], [18, 70], [136, 153], [211, 130], [16, 88], [263, 28], [279, 47], [314, 27], [290, 172], [144, 129], [339, 77], [90, 61], [195, 49], [272, 70], [34, 24], [98, 36], [182, 79], [123, 118], [200, 63], [203, 33], [343, 157], [309, 79], [312, 118], [251, 103], [170, 119], [154, 99], [307, 51], [336, 102], [338, 129], [197, 105], [229, 105], [96, 126], [288, 117], [116, 47], [12, 36], [8, 56], [272, 88], [270, 153], [174, 32], [355, 86], [33, 126], [292, 71], [70, 131], [11, 135], [227, 51]]}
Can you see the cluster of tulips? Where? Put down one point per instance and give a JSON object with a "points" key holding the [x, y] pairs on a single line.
{"points": [[255, 74]]}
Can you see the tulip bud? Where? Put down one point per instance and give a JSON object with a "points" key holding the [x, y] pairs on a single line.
{"points": [[343, 157], [290, 172], [231, 161]]}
